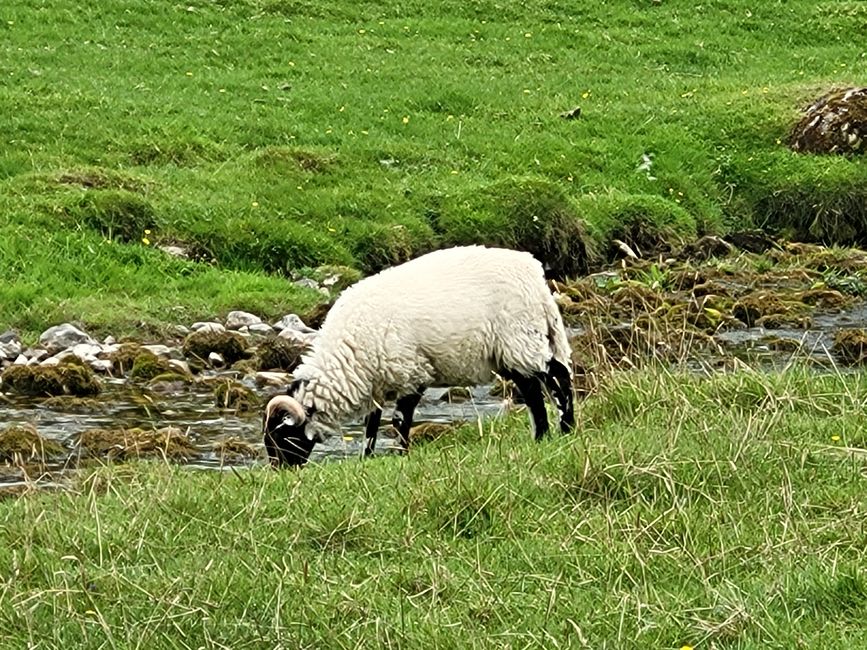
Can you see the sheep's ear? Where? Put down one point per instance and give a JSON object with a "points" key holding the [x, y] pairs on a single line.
{"points": [[294, 386]]}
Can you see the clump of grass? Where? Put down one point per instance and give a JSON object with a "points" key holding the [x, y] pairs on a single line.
{"points": [[530, 214], [233, 448], [116, 214], [851, 346]]}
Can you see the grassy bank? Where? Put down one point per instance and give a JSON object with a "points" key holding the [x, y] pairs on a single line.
{"points": [[264, 136], [718, 513]]}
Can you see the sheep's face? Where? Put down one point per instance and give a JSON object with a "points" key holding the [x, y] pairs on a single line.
{"points": [[287, 438]]}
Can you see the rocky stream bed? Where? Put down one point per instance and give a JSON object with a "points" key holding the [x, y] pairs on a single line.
{"points": [[715, 305]]}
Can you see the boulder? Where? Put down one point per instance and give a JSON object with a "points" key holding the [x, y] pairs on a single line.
{"points": [[62, 337], [834, 123], [235, 320]]}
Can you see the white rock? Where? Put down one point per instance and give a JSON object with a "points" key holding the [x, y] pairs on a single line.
{"points": [[307, 283], [264, 378], [35, 354], [20, 360], [261, 329], [174, 251], [109, 340], [50, 361], [61, 337], [85, 351], [207, 327], [109, 348], [292, 321], [164, 351], [216, 359], [180, 365], [182, 330], [10, 350], [9, 337], [237, 319], [101, 365], [295, 336]]}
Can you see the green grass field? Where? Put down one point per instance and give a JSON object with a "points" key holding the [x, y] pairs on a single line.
{"points": [[714, 513], [269, 135]]}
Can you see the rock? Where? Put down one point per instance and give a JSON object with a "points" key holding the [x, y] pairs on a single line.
{"points": [[35, 355], [261, 329], [208, 327], [180, 365], [297, 337], [216, 360], [182, 330], [20, 360], [307, 283], [164, 351], [101, 365], [231, 346], [232, 395], [62, 337], [834, 123], [276, 379], [235, 320], [174, 251], [10, 350], [109, 340], [10, 337], [278, 353], [292, 321], [87, 351], [752, 241]]}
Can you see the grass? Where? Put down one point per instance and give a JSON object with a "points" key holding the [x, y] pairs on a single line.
{"points": [[266, 136], [729, 514]]}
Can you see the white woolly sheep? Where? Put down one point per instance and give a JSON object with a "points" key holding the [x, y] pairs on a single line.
{"points": [[451, 317]]}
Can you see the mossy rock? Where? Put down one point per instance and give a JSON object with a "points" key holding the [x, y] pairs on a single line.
{"points": [[122, 444], [334, 277], [170, 382], [851, 346], [148, 365], [529, 214], [233, 396], [71, 404], [456, 395], [427, 432], [229, 345], [233, 449], [834, 123], [778, 344], [49, 381], [124, 357], [24, 443], [276, 353]]}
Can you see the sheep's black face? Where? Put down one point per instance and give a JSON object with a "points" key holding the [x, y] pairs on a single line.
{"points": [[284, 430]]}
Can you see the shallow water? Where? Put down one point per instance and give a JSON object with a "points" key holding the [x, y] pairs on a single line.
{"points": [[192, 410]]}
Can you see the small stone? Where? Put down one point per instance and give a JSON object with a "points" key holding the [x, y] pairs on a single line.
{"points": [[261, 329], [307, 283], [292, 321], [208, 327], [10, 336], [163, 351], [182, 330], [85, 351], [295, 336], [277, 379], [180, 365], [61, 337], [237, 319], [216, 360], [109, 340], [101, 365], [20, 360], [10, 349]]}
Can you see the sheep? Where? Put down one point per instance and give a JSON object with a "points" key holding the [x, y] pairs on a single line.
{"points": [[451, 317]]}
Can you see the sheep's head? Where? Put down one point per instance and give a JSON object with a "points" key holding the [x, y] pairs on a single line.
{"points": [[287, 436]]}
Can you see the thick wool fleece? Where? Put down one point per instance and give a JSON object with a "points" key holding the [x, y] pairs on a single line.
{"points": [[448, 318]]}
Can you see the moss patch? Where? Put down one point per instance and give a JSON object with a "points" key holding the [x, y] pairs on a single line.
{"points": [[123, 444], [47, 381], [232, 395], [23, 442], [147, 366], [834, 123], [277, 353], [229, 345]]}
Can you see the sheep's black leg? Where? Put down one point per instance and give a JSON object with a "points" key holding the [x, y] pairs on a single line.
{"points": [[531, 390], [371, 426], [559, 383], [403, 413]]}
